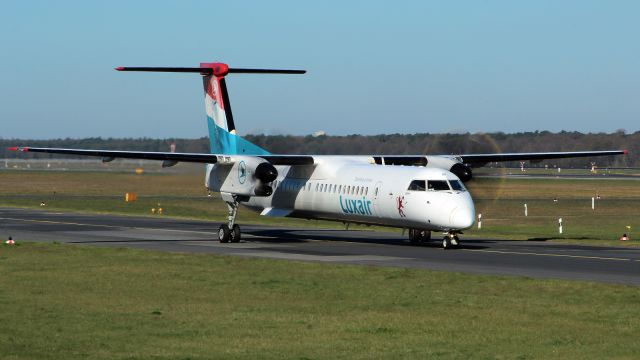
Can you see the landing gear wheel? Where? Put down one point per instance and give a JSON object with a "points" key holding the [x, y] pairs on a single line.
{"points": [[235, 234], [446, 243], [455, 241], [417, 236], [414, 236], [224, 233]]}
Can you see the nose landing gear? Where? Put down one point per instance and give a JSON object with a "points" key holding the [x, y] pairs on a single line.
{"points": [[451, 240]]}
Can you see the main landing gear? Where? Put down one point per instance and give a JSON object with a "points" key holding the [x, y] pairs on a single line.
{"points": [[230, 232], [451, 240], [417, 236]]}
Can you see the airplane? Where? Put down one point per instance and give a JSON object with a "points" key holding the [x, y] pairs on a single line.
{"points": [[421, 193]]}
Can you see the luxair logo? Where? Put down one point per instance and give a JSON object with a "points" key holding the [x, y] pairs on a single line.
{"points": [[359, 206], [242, 172]]}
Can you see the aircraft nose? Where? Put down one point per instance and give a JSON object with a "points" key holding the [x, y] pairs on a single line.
{"points": [[462, 216]]}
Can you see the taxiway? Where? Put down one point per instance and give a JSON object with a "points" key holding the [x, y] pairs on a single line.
{"points": [[536, 259]]}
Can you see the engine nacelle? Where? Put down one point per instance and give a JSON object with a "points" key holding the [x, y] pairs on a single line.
{"points": [[457, 168], [245, 176], [265, 172], [462, 171], [262, 190]]}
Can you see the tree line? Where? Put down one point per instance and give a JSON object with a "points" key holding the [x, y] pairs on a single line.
{"points": [[391, 144]]}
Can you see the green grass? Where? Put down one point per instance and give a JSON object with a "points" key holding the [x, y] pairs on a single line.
{"points": [[76, 302], [500, 201]]}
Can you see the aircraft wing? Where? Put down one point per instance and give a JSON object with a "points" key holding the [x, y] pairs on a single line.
{"points": [[416, 160], [109, 155], [486, 158], [481, 159]]}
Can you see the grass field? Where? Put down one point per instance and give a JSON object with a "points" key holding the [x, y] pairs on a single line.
{"points": [[76, 302], [500, 201]]}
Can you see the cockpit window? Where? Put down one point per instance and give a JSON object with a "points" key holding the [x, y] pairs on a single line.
{"points": [[417, 185], [457, 185], [437, 185]]}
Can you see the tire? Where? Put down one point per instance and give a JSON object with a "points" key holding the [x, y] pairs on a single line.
{"points": [[456, 241], [425, 235], [235, 234], [414, 236], [224, 234], [446, 243]]}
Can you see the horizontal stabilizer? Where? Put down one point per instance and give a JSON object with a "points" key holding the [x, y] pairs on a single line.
{"points": [[218, 69]]}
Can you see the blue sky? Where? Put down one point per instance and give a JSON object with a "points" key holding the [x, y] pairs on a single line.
{"points": [[373, 67]]}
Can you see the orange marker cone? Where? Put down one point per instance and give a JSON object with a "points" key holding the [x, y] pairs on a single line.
{"points": [[10, 241]]}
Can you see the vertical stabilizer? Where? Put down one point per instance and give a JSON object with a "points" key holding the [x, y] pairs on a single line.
{"points": [[222, 131]]}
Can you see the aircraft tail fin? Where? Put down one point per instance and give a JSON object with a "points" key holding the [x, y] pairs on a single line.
{"points": [[223, 138]]}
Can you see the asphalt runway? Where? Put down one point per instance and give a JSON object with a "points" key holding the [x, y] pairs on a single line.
{"points": [[535, 259]]}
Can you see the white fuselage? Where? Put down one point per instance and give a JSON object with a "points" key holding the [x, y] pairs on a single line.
{"points": [[351, 190]]}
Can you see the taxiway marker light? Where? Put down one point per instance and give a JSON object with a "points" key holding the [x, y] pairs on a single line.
{"points": [[560, 225]]}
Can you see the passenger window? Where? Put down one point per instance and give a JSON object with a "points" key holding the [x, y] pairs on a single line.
{"points": [[438, 185], [417, 185], [366, 191]]}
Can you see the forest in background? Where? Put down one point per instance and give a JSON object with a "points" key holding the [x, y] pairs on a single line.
{"points": [[392, 144]]}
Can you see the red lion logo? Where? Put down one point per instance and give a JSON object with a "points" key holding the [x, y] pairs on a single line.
{"points": [[400, 206]]}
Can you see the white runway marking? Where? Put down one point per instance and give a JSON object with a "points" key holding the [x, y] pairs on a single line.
{"points": [[547, 254], [325, 258]]}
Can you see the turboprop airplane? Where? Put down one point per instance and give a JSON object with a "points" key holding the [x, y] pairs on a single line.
{"points": [[421, 193]]}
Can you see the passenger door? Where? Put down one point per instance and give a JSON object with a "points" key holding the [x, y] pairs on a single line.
{"points": [[378, 194]]}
